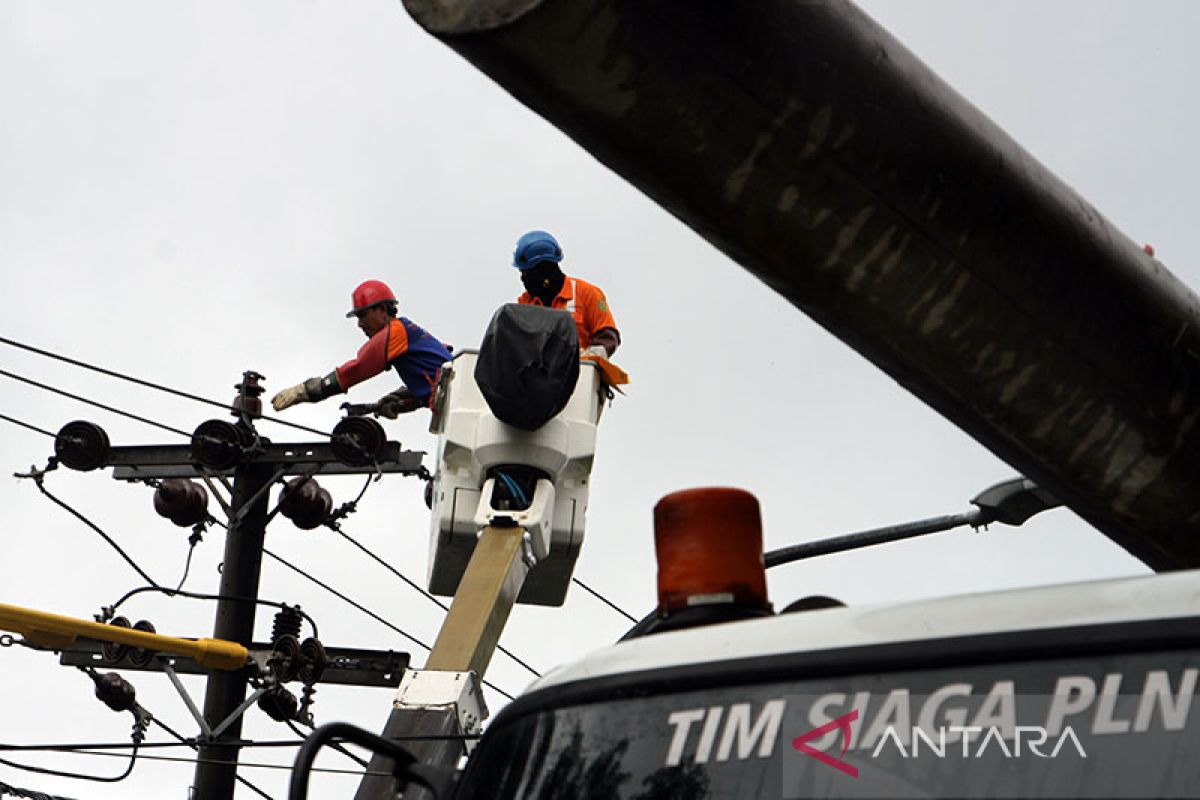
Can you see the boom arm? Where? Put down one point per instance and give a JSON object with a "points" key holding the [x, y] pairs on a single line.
{"points": [[806, 143]]}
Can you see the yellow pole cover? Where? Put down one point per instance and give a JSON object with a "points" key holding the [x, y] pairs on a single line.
{"points": [[54, 630]]}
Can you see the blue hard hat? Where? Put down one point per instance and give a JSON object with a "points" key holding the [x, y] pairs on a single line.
{"points": [[536, 246]]}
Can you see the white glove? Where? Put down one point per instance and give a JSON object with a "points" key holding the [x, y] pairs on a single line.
{"points": [[290, 397]]}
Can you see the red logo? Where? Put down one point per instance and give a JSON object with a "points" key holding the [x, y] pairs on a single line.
{"points": [[842, 723]]}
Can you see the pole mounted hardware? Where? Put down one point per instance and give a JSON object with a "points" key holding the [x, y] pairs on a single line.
{"points": [[82, 446], [305, 503], [53, 630], [221, 445], [183, 502]]}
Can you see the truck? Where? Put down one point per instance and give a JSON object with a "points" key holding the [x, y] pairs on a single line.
{"points": [[806, 143]]}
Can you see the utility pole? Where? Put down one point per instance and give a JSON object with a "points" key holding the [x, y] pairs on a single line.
{"points": [[221, 450], [216, 769], [226, 691]]}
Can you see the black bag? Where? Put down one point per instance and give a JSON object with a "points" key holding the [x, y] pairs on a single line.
{"points": [[528, 364]]}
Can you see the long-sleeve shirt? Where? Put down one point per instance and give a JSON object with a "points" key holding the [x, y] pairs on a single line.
{"points": [[587, 305], [413, 351]]}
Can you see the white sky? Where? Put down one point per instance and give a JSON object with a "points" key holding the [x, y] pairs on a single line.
{"points": [[191, 189]]}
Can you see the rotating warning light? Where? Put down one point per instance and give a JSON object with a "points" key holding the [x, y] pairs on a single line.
{"points": [[81, 445], [183, 502], [305, 503], [358, 441], [709, 548]]}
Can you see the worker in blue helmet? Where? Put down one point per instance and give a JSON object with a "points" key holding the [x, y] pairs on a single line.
{"points": [[537, 256]]}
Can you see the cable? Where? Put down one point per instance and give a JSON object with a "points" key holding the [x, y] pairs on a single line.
{"points": [[338, 594], [138, 732], [94, 403], [148, 757], [368, 612], [237, 777], [39, 477], [341, 749], [13, 791], [148, 384], [193, 540], [435, 601], [349, 508], [604, 600], [183, 741], [33, 428], [110, 610]]}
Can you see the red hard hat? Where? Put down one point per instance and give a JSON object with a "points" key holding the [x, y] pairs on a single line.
{"points": [[369, 294]]}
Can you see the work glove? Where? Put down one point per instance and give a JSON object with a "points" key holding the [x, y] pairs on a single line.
{"points": [[290, 397], [396, 403]]}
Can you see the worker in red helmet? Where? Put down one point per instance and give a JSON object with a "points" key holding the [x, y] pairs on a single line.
{"points": [[392, 341], [538, 256]]}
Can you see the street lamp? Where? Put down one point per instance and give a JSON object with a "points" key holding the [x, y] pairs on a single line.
{"points": [[1010, 502]]}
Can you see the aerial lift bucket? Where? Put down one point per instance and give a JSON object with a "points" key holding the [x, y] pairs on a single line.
{"points": [[491, 473]]}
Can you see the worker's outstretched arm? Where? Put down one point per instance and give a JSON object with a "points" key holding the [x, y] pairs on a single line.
{"points": [[372, 359], [311, 391]]}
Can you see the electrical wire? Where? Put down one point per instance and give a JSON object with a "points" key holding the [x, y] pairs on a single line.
{"points": [[148, 384], [187, 564], [368, 612], [110, 610], [349, 508], [604, 600], [81, 399], [134, 746], [183, 741], [223, 763], [343, 597], [39, 478], [33, 428], [433, 599], [362, 762], [237, 777], [29, 794]]}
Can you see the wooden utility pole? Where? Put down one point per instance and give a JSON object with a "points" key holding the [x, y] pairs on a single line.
{"points": [[216, 769]]}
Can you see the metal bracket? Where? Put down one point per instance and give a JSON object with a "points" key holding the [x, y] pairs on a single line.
{"points": [[139, 462], [347, 666]]}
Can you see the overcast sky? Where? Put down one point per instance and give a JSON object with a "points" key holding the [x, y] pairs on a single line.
{"points": [[191, 189]]}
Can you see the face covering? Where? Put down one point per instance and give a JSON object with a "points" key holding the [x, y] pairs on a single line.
{"points": [[543, 280]]}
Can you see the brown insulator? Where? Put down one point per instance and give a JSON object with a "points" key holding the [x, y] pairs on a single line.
{"points": [[183, 502]]}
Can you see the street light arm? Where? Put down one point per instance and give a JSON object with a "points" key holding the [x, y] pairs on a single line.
{"points": [[1011, 502]]}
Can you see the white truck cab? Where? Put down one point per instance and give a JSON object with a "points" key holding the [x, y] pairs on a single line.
{"points": [[1078, 690]]}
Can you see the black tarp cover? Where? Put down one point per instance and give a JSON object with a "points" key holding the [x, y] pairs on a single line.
{"points": [[528, 364]]}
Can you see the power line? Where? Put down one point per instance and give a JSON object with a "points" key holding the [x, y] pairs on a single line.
{"points": [[368, 612], [183, 741], [201, 596], [33, 428], [147, 384], [39, 477], [237, 777], [197, 760], [29, 794], [338, 594], [81, 399], [604, 600], [435, 601]]}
